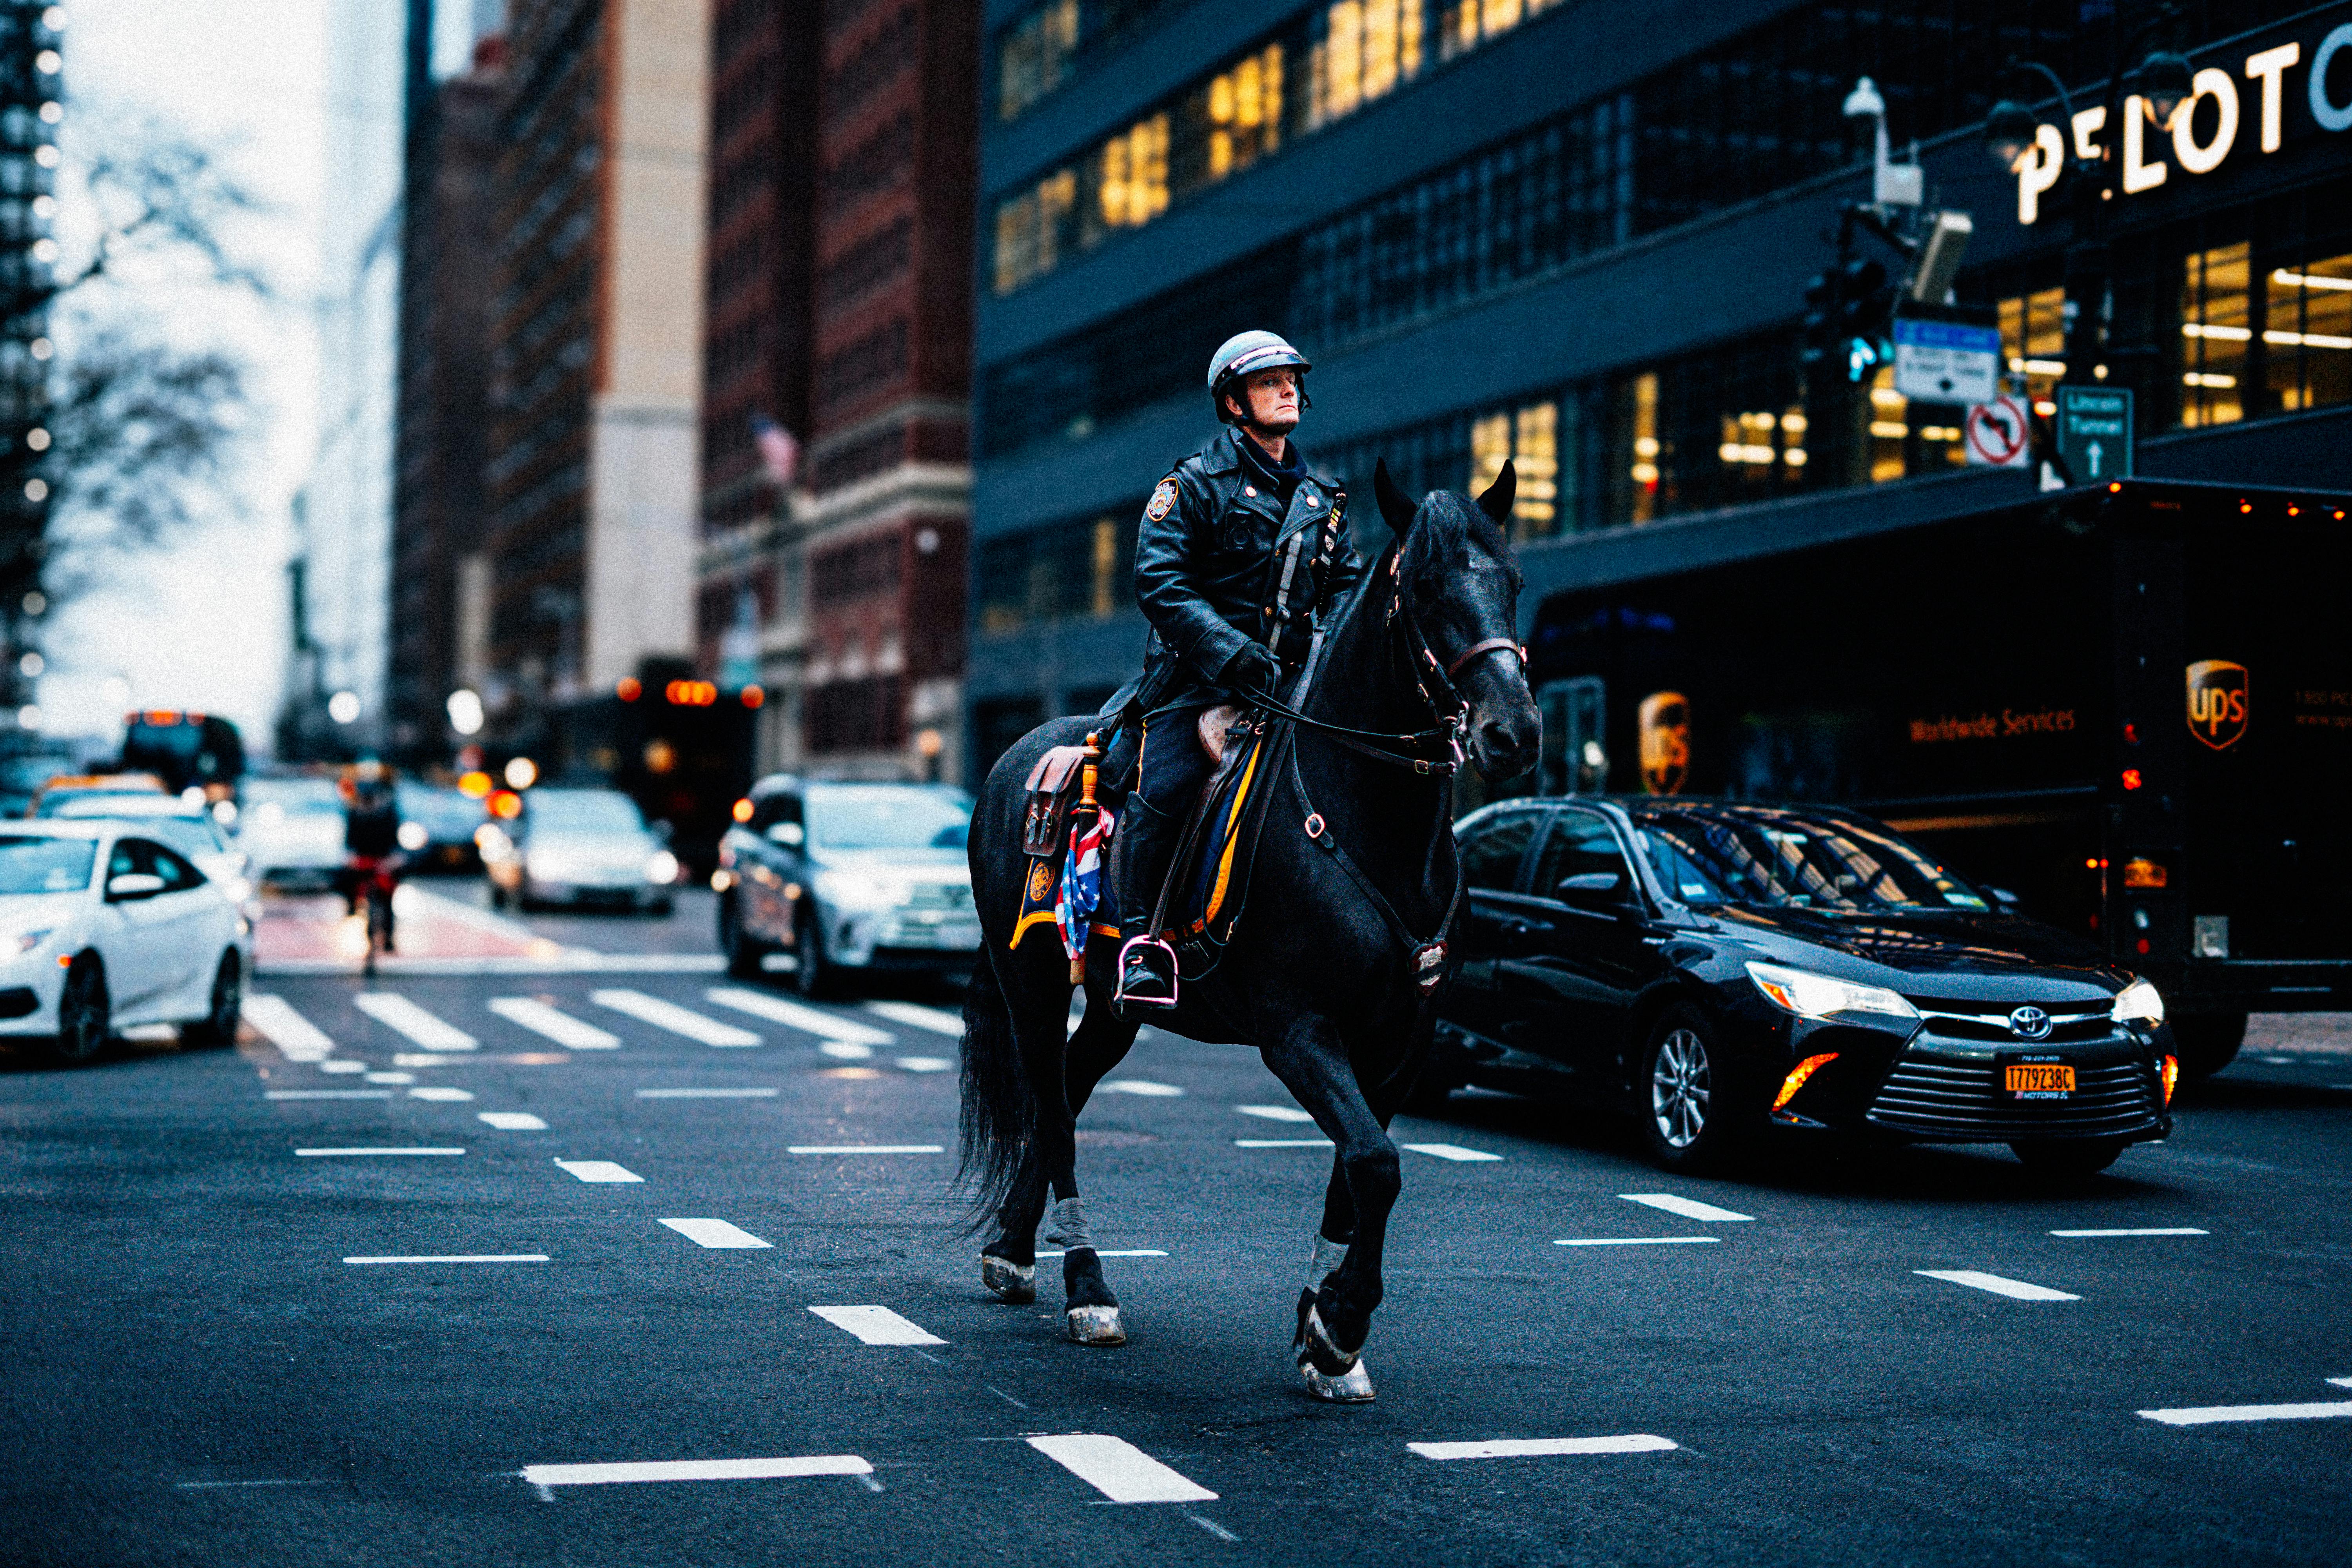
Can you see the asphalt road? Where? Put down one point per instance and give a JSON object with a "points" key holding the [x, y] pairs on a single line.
{"points": [[198, 1373]]}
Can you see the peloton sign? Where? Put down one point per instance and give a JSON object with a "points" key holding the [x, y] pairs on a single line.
{"points": [[2203, 140]]}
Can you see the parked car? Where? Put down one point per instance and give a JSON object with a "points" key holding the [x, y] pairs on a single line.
{"points": [[437, 826], [580, 846], [1721, 968], [101, 924], [847, 877], [293, 830], [189, 827]]}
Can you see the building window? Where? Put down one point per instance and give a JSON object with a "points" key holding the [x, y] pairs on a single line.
{"points": [[1359, 50], [1035, 58], [1132, 187], [1106, 568], [1243, 108], [1032, 230], [1529, 440], [2214, 332], [2308, 334], [2033, 340], [1644, 472]]}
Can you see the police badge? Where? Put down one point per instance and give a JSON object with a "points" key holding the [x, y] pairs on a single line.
{"points": [[1163, 500]]}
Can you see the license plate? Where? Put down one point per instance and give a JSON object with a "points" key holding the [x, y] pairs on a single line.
{"points": [[2038, 1081]]}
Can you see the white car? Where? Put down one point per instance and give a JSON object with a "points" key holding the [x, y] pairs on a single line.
{"points": [[103, 925], [293, 830]]}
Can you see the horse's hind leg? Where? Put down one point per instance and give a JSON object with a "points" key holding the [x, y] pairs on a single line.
{"points": [[1008, 1263]]}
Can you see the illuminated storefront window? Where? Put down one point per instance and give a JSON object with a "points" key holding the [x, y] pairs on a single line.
{"points": [[2214, 335], [1360, 50], [1034, 57], [1243, 108], [1644, 470], [2308, 334]]}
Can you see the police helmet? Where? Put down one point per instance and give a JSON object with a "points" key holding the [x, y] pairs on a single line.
{"points": [[1245, 353]]}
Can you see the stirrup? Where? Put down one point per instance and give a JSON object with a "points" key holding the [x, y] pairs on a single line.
{"points": [[1134, 947]]}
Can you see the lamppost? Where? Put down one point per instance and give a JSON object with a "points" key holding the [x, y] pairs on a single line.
{"points": [[2160, 88]]}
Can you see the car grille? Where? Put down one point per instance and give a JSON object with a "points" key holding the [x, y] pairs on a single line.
{"points": [[953, 896], [1954, 1099], [2068, 1021]]}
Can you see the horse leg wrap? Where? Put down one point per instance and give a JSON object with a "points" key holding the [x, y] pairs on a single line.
{"points": [[1092, 1316], [1324, 1261], [1065, 1224]]}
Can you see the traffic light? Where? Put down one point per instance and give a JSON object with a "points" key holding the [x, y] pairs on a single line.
{"points": [[1820, 318], [1865, 314]]}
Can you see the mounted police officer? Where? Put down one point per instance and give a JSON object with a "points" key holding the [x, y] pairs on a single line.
{"points": [[1239, 548]]}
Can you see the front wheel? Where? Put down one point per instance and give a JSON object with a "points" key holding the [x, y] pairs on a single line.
{"points": [[2208, 1042], [743, 953], [218, 1026], [1689, 1114], [2069, 1158], [813, 974], [85, 1012]]}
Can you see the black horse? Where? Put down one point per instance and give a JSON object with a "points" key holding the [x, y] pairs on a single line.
{"points": [[1331, 969]]}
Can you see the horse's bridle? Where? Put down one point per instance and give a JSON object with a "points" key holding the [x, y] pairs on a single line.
{"points": [[1455, 708]]}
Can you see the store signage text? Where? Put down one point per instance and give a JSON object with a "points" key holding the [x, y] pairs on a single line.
{"points": [[2007, 725], [2146, 169]]}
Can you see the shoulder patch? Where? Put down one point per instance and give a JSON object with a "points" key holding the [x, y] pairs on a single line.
{"points": [[1163, 500]]}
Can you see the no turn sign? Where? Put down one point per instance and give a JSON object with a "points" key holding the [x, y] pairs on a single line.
{"points": [[1999, 434]]}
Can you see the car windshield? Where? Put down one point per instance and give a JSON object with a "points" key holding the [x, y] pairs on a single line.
{"points": [[887, 817], [45, 865], [1760, 856], [584, 811], [291, 797], [116, 803]]}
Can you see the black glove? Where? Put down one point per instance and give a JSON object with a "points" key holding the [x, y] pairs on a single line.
{"points": [[1251, 672]]}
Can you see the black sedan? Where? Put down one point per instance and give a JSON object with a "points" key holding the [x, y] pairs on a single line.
{"points": [[1722, 968]]}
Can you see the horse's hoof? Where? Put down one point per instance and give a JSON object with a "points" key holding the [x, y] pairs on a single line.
{"points": [[1353, 1386], [1319, 1351], [1094, 1326], [1011, 1283]]}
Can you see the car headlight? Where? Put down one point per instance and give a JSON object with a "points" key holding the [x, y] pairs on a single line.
{"points": [[1819, 996], [23, 940], [853, 891], [2137, 1003], [661, 866]]}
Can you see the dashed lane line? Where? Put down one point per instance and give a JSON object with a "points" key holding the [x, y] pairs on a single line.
{"points": [[512, 1120], [1639, 1241], [599, 1170], [1689, 1208], [877, 1326], [295, 1037], [925, 1064], [1274, 1112], [327, 1094], [397, 1013], [2146, 1230], [1140, 1086], [391, 1078], [696, 1470], [677, 1020], [1455, 1151], [2341, 1382], [715, 1234], [440, 1091], [915, 1016], [2016, 1289], [745, 1093], [340, 1066], [1545, 1448], [829, 1028], [360, 1154], [571, 1033], [460, 1258], [1282, 1143], [1118, 1469], [2211, 1415], [865, 1149]]}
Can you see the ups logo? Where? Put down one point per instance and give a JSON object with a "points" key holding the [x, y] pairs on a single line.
{"points": [[1664, 721], [2217, 703]]}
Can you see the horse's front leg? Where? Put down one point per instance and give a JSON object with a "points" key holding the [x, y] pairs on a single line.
{"points": [[1312, 1062]]}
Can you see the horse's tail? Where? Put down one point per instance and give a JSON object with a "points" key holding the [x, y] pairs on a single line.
{"points": [[992, 1128]]}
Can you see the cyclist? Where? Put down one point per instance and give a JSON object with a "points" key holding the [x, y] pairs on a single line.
{"points": [[372, 854]]}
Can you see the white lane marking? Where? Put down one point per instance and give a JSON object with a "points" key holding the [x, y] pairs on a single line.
{"points": [[714, 1233], [564, 1030], [2212, 1414], [925, 1064], [706, 1094], [2152, 1231], [341, 1065], [1689, 1208], [327, 1094], [1449, 1152], [1282, 1143], [1134, 1252], [295, 1037], [915, 1016], [846, 1050], [798, 1015], [863, 1149], [1640, 1241], [696, 1470], [677, 1020], [440, 1091], [461, 1257], [512, 1120], [1118, 1469], [877, 1326], [2016, 1289], [2341, 1382], [391, 1078], [599, 1170], [1543, 1448], [1142, 1086], [1274, 1112], [358, 1154], [396, 1012]]}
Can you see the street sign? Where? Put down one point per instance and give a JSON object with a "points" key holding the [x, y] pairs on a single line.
{"points": [[1941, 361], [2094, 433], [1998, 433]]}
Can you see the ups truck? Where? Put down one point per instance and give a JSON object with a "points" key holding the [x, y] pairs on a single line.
{"points": [[2128, 707]]}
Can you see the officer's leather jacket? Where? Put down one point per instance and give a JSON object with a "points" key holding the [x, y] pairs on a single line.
{"points": [[1210, 567]]}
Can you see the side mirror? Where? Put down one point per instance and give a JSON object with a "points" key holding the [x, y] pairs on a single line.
{"points": [[134, 885], [789, 833], [1592, 889], [2004, 898]]}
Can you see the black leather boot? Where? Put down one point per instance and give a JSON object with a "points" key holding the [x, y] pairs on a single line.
{"points": [[1145, 842]]}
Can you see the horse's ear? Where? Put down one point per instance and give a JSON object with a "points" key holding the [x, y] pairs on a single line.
{"points": [[1395, 507], [1496, 502]]}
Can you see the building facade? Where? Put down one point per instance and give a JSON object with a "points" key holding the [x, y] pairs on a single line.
{"points": [[1578, 236], [841, 260]]}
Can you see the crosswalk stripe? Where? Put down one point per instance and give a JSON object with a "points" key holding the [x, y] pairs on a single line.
{"points": [[564, 1030], [599, 1170], [696, 1470], [2149, 1230], [1118, 1469], [2016, 1289], [461, 1257], [706, 1094], [863, 1149], [1640, 1241], [440, 1091], [358, 1154], [327, 1094], [1140, 1086], [1282, 1143], [715, 1233], [2334, 1409], [1274, 1112], [915, 1016], [295, 1037], [877, 1326], [512, 1120], [926, 1064], [1541, 1448], [1689, 1208], [395, 1011], [1453, 1151], [799, 1015], [677, 1020]]}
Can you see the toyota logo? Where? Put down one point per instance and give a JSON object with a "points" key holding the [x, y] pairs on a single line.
{"points": [[2029, 1023]]}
